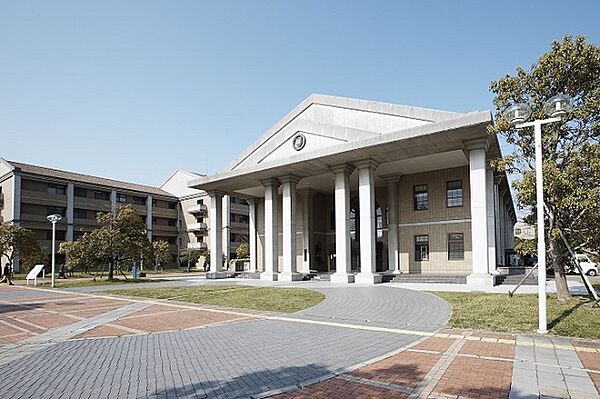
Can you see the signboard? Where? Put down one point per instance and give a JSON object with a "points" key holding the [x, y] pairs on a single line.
{"points": [[33, 273], [524, 231]]}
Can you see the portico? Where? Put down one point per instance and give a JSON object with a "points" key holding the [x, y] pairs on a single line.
{"points": [[359, 189]]}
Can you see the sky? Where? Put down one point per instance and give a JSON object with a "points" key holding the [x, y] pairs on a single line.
{"points": [[134, 90]]}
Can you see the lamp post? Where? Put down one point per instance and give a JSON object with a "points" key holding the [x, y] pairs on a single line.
{"points": [[53, 219], [556, 107]]}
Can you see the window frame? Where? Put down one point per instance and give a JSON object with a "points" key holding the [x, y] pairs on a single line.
{"points": [[456, 241], [418, 248], [449, 189], [418, 190], [57, 189]]}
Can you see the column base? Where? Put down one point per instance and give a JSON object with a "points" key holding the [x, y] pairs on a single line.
{"points": [[289, 276], [480, 280], [268, 276], [367, 278], [216, 275], [341, 278]]}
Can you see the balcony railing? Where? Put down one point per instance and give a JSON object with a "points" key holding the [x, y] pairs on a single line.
{"points": [[198, 209], [197, 227], [196, 245], [1, 200]]}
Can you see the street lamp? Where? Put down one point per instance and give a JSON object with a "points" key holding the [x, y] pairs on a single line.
{"points": [[53, 219], [556, 107]]}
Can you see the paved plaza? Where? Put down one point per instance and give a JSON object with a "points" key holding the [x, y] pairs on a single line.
{"points": [[362, 341]]}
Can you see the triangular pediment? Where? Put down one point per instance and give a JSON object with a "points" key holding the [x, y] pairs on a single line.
{"points": [[325, 121]]}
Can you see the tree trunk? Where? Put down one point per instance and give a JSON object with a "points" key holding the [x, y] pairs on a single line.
{"points": [[110, 270], [560, 277]]}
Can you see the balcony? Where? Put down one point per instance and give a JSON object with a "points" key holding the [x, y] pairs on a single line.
{"points": [[198, 209], [196, 245], [197, 227], [1, 200]]}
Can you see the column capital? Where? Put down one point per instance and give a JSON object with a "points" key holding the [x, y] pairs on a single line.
{"points": [[215, 193], [394, 178], [249, 199], [342, 168], [366, 164], [269, 182], [289, 179], [475, 144]]}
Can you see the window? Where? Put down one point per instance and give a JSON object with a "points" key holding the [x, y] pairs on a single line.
{"points": [[60, 235], [233, 237], [77, 235], [102, 195], [57, 189], [79, 213], [154, 221], [421, 248], [121, 198], [456, 246], [138, 200], [421, 198], [172, 222], [243, 202], [172, 240], [172, 205], [52, 211], [454, 193], [200, 202], [154, 203], [80, 192]]}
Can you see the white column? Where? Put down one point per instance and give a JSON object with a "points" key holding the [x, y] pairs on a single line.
{"points": [[479, 229], [113, 202], [289, 270], [70, 198], [16, 213], [307, 212], [491, 220], [216, 236], [252, 233], [499, 216], [392, 205], [226, 215], [271, 230], [366, 198], [342, 225], [149, 217]]}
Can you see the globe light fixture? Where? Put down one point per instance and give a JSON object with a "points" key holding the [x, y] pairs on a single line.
{"points": [[558, 106], [53, 219], [517, 114]]}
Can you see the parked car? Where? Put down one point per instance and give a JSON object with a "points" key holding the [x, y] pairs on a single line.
{"points": [[590, 268]]}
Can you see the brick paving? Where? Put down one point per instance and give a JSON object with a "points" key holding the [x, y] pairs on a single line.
{"points": [[163, 350]]}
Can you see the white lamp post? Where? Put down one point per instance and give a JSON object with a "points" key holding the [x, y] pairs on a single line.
{"points": [[53, 219], [556, 107]]}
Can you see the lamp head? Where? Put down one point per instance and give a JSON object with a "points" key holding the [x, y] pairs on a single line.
{"points": [[54, 218], [517, 113], [558, 106]]}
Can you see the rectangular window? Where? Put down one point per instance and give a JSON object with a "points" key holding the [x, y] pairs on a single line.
{"points": [[243, 202], [233, 237], [138, 200], [60, 235], [456, 246], [154, 203], [102, 195], [53, 211], [79, 213], [80, 192], [172, 222], [454, 193], [172, 205], [121, 198], [421, 198], [57, 189], [172, 240], [421, 248]]}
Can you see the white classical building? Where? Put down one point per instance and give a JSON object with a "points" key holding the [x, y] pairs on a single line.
{"points": [[360, 189]]}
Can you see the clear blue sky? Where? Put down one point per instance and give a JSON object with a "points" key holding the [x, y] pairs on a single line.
{"points": [[135, 89]]}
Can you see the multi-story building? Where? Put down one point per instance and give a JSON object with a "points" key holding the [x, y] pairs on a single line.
{"points": [[29, 193]]}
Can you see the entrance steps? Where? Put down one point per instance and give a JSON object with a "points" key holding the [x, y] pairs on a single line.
{"points": [[248, 275], [425, 279], [514, 279]]}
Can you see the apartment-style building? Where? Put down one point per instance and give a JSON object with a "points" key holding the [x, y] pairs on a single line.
{"points": [[29, 193]]}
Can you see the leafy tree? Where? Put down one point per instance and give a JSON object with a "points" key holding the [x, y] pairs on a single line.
{"points": [[243, 251], [571, 148], [191, 256], [79, 254], [120, 239], [162, 253], [19, 242]]}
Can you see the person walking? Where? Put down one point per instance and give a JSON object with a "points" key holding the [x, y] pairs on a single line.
{"points": [[6, 274]]}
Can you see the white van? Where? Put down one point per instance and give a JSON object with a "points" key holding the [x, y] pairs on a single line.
{"points": [[590, 268]]}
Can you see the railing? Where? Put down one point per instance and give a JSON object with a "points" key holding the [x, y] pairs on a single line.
{"points": [[196, 245], [197, 227], [198, 208], [1, 200]]}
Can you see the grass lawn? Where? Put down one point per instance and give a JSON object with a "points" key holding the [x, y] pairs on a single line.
{"points": [[498, 312], [286, 300], [71, 283]]}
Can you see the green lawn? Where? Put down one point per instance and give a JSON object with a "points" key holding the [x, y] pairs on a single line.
{"points": [[60, 283], [498, 312], [286, 300]]}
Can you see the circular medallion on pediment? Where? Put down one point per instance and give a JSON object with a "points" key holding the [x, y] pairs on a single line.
{"points": [[299, 141]]}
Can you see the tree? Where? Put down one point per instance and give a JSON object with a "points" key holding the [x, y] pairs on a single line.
{"points": [[191, 256], [243, 251], [120, 238], [19, 242], [162, 253], [571, 147]]}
